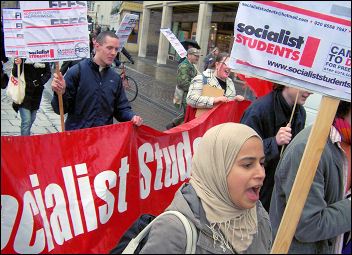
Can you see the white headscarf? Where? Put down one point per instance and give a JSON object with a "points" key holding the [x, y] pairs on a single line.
{"points": [[211, 163]]}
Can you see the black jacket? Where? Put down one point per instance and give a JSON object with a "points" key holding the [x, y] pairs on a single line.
{"points": [[33, 93], [266, 115]]}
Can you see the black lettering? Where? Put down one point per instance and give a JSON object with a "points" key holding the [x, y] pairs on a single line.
{"points": [[62, 3], [265, 31], [64, 21], [54, 21], [82, 49], [249, 30], [81, 3], [71, 3], [283, 37], [292, 42], [299, 42], [73, 20], [287, 33], [18, 15], [272, 36], [52, 4], [240, 27], [132, 21], [334, 49], [68, 21]]}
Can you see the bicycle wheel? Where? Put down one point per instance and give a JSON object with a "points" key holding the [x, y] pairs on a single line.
{"points": [[131, 88]]}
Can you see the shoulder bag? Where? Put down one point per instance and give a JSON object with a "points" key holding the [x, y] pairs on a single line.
{"points": [[16, 90]]}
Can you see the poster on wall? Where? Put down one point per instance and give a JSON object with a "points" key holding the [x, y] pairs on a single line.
{"points": [[296, 43], [55, 30], [14, 43]]}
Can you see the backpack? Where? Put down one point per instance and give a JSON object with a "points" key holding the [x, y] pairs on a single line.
{"points": [[136, 236]]}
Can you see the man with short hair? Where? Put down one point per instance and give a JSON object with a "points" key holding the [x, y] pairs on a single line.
{"points": [[92, 92], [269, 116], [185, 73]]}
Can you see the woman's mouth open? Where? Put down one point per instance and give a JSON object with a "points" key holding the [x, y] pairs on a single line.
{"points": [[253, 192]]}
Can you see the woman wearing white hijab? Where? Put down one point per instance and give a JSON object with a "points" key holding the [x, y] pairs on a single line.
{"points": [[221, 199]]}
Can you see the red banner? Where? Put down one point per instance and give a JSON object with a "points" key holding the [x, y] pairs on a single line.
{"points": [[78, 191]]}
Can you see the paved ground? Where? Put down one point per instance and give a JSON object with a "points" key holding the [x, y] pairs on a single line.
{"points": [[156, 85]]}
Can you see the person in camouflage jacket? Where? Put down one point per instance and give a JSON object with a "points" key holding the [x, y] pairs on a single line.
{"points": [[185, 73]]}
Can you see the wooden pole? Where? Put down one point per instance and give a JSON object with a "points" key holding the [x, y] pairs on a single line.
{"points": [[289, 123], [60, 100], [305, 174]]}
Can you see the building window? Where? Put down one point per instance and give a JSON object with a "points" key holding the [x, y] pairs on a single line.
{"points": [[133, 38]]}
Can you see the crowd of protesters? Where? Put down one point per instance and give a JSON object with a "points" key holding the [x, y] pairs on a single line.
{"points": [[240, 182]]}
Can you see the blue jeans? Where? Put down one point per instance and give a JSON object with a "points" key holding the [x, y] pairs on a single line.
{"points": [[27, 119]]}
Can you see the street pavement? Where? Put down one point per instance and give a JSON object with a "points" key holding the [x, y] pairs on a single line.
{"points": [[156, 84]]}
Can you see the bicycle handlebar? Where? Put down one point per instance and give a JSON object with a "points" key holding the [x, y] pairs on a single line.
{"points": [[124, 62]]}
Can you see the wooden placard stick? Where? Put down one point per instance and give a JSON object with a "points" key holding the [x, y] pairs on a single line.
{"points": [[289, 123], [60, 99], [305, 174]]}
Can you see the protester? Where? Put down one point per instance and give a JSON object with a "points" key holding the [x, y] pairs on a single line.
{"points": [[35, 76], [92, 92], [218, 78], [326, 215], [126, 53], [92, 40], [185, 73], [221, 198], [269, 116], [188, 44], [210, 58]]}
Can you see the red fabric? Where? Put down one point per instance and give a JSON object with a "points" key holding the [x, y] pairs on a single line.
{"points": [[91, 184], [258, 86], [190, 113]]}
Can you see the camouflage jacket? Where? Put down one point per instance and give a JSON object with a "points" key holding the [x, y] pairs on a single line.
{"points": [[185, 73]]}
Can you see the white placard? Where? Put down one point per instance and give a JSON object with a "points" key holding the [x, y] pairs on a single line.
{"points": [[174, 42], [14, 42], [55, 30], [305, 42], [126, 26]]}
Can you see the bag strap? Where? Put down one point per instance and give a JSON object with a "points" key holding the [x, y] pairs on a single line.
{"points": [[191, 234], [204, 79]]}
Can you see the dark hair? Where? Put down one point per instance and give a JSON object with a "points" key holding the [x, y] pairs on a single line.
{"points": [[342, 109], [101, 37], [219, 58], [278, 87]]}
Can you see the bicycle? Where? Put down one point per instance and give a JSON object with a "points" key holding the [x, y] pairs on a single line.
{"points": [[131, 87]]}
